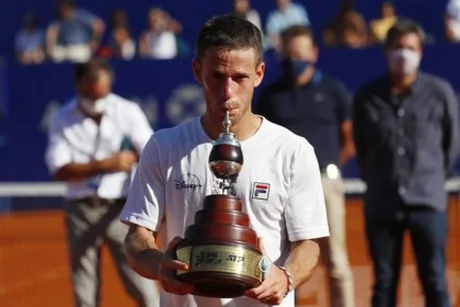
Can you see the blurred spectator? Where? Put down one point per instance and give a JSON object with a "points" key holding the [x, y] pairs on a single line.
{"points": [[94, 141], [406, 133], [30, 41], [75, 35], [317, 107], [122, 44], [452, 21], [379, 27], [242, 8], [159, 41], [287, 14], [347, 29]]}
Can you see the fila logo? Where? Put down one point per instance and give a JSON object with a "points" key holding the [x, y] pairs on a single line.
{"points": [[261, 190]]}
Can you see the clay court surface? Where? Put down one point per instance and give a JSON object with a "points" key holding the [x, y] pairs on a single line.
{"points": [[34, 267]]}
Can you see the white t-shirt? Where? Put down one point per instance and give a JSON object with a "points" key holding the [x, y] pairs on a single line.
{"points": [[75, 138], [173, 177]]}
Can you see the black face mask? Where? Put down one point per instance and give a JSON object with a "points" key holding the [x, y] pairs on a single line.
{"points": [[294, 68]]}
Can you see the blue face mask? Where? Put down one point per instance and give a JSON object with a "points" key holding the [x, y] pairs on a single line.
{"points": [[294, 68]]}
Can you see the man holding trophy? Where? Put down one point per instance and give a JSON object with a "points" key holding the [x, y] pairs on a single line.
{"points": [[237, 200]]}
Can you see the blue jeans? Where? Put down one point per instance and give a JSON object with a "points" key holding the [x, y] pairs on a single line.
{"points": [[428, 231]]}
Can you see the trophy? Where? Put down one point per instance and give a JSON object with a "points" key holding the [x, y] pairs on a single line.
{"points": [[220, 249]]}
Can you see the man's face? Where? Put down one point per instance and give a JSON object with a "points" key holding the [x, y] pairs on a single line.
{"points": [[241, 6], [95, 89], [228, 78], [300, 54], [282, 4], [300, 48], [404, 54], [65, 11]]}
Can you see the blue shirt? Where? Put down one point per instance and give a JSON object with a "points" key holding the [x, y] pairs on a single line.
{"points": [[29, 41], [314, 111], [77, 30], [278, 21]]}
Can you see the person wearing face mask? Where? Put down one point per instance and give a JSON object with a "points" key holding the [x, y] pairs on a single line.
{"points": [[94, 142], [406, 134], [317, 107]]}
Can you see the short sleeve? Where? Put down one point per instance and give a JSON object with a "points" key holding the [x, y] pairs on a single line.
{"points": [[140, 129], [58, 152], [145, 204], [305, 212]]}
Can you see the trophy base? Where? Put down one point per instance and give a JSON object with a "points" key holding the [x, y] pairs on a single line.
{"points": [[219, 285], [221, 271]]}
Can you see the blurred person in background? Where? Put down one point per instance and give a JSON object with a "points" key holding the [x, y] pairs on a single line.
{"points": [[75, 35], [287, 14], [94, 141], [347, 29], [242, 9], [452, 21], [379, 27], [30, 41], [122, 44], [317, 107], [159, 41], [406, 133]]}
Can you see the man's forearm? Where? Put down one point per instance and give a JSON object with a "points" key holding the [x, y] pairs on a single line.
{"points": [[346, 153], [78, 171], [142, 253], [302, 261]]}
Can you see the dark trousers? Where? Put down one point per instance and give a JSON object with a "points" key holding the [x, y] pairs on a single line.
{"points": [[428, 232]]}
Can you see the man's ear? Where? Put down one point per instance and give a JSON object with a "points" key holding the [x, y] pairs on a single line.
{"points": [[196, 68], [260, 72]]}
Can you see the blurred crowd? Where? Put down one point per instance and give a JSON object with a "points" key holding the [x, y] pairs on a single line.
{"points": [[77, 34]]}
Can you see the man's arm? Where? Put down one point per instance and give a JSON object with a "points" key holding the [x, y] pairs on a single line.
{"points": [[144, 212], [58, 158], [306, 220], [302, 261], [358, 119], [51, 38], [347, 147], [142, 251], [121, 162], [451, 128]]}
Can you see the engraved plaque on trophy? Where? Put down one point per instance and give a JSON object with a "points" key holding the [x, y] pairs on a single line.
{"points": [[220, 248]]}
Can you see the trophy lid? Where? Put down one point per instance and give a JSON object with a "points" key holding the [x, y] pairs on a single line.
{"points": [[226, 157]]}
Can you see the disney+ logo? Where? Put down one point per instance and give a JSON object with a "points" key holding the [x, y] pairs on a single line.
{"points": [[188, 182]]}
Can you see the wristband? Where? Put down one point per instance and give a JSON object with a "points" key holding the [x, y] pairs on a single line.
{"points": [[290, 283]]}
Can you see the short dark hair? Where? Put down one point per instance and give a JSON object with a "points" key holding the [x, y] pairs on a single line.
{"points": [[298, 30], [403, 27], [90, 70], [229, 32]]}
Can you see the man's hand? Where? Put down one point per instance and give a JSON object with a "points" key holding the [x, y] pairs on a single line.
{"points": [[167, 269], [121, 162], [273, 288]]}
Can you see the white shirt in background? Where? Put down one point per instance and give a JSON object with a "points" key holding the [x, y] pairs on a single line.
{"points": [[173, 177], [75, 138], [453, 11]]}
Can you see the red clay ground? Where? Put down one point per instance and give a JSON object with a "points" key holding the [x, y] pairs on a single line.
{"points": [[34, 269]]}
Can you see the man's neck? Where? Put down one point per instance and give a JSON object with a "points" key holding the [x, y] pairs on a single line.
{"points": [[244, 129], [401, 84]]}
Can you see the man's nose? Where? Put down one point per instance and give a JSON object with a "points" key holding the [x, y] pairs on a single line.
{"points": [[227, 91]]}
